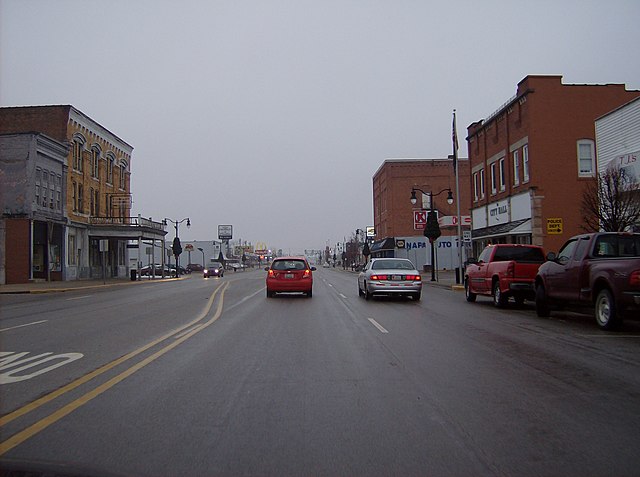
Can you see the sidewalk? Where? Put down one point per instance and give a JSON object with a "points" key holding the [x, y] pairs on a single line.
{"points": [[53, 287]]}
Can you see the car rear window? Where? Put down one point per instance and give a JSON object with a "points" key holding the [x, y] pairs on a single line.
{"points": [[288, 265], [392, 265], [617, 246], [519, 254]]}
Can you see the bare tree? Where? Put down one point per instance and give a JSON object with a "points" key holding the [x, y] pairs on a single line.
{"points": [[612, 202]]}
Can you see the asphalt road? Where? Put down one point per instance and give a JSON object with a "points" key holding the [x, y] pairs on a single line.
{"points": [[209, 377]]}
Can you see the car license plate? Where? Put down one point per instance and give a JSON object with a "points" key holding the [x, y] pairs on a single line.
{"points": [[396, 277], [288, 275]]}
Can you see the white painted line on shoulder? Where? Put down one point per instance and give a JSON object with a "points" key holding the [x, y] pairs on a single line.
{"points": [[343, 296], [21, 326], [78, 297], [377, 325]]}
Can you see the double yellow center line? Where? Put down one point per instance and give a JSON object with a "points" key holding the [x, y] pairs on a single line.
{"points": [[42, 424]]}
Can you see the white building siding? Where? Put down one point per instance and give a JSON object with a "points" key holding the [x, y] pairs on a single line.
{"points": [[618, 139]]}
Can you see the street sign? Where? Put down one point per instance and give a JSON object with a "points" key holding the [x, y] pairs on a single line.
{"points": [[452, 220], [554, 226], [188, 247], [225, 232], [466, 236], [419, 219]]}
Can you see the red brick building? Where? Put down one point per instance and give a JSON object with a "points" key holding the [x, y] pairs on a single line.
{"points": [[393, 213], [66, 198], [532, 159]]}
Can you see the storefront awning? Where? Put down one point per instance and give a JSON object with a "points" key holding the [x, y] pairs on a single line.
{"points": [[516, 227]]}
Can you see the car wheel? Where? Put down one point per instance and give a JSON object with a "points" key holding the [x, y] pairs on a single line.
{"points": [[269, 294], [309, 293], [469, 295], [416, 296], [542, 303], [606, 313], [499, 298], [360, 291], [367, 295]]}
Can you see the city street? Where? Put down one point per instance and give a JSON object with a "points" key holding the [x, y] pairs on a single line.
{"points": [[210, 377]]}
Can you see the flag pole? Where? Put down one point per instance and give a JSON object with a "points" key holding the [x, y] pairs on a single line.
{"points": [[459, 276]]}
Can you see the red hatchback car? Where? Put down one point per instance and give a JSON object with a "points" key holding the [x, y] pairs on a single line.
{"points": [[289, 274]]}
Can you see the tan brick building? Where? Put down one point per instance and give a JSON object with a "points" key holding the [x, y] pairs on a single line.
{"points": [[532, 159], [90, 237], [393, 213]]}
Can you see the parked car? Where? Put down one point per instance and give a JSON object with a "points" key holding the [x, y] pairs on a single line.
{"points": [[599, 270], [503, 271], [289, 274], [214, 269], [195, 267], [157, 271], [390, 276]]}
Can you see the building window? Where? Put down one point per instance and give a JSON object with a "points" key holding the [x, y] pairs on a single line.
{"points": [[482, 183], [494, 179], [80, 198], [502, 175], [476, 188], [586, 158], [75, 196], [525, 163], [123, 182], [110, 162], [516, 168], [77, 156], [95, 162]]}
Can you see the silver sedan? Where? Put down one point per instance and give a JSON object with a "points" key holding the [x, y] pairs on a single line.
{"points": [[390, 276]]}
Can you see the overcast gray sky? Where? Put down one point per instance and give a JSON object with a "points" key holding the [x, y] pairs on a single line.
{"points": [[273, 115]]}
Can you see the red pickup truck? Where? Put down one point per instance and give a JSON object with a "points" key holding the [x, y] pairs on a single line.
{"points": [[503, 271], [599, 270]]}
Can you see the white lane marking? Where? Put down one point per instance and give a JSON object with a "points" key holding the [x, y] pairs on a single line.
{"points": [[79, 297], [261, 290], [11, 374], [343, 296], [20, 326], [330, 285], [377, 325]]}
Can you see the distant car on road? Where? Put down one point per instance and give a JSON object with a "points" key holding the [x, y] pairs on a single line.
{"points": [[289, 274], [194, 267], [390, 276], [214, 269]]}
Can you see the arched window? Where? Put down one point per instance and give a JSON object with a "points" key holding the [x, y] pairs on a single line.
{"points": [[78, 147], [95, 161], [111, 159]]}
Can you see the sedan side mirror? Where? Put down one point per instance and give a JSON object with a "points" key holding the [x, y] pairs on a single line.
{"points": [[266, 269], [313, 269]]}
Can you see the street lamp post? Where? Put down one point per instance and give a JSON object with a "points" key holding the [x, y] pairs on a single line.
{"points": [[177, 248], [203, 263], [434, 233]]}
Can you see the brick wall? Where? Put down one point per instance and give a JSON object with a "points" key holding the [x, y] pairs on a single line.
{"points": [[17, 253]]}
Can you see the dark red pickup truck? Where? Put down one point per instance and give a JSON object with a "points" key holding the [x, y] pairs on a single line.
{"points": [[600, 270], [502, 271]]}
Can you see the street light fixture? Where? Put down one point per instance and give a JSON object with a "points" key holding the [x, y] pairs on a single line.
{"points": [[431, 195], [177, 248]]}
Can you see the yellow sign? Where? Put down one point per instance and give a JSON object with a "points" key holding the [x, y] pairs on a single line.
{"points": [[554, 226]]}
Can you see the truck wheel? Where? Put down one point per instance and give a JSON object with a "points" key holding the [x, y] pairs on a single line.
{"points": [[468, 294], [499, 298], [542, 303], [606, 313]]}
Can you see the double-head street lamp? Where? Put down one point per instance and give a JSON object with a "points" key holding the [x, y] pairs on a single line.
{"points": [[177, 248], [431, 229]]}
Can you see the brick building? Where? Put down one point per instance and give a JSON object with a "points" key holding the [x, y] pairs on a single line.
{"points": [[393, 213], [88, 232], [532, 159]]}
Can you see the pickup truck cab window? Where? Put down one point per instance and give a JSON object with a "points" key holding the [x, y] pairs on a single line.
{"points": [[566, 252], [484, 256]]}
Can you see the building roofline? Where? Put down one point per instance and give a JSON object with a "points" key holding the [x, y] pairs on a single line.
{"points": [[399, 160], [622, 106]]}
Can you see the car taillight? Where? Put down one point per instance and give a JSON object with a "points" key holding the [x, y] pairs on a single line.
{"points": [[511, 268], [634, 278], [415, 278], [379, 277], [271, 274], [307, 273]]}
